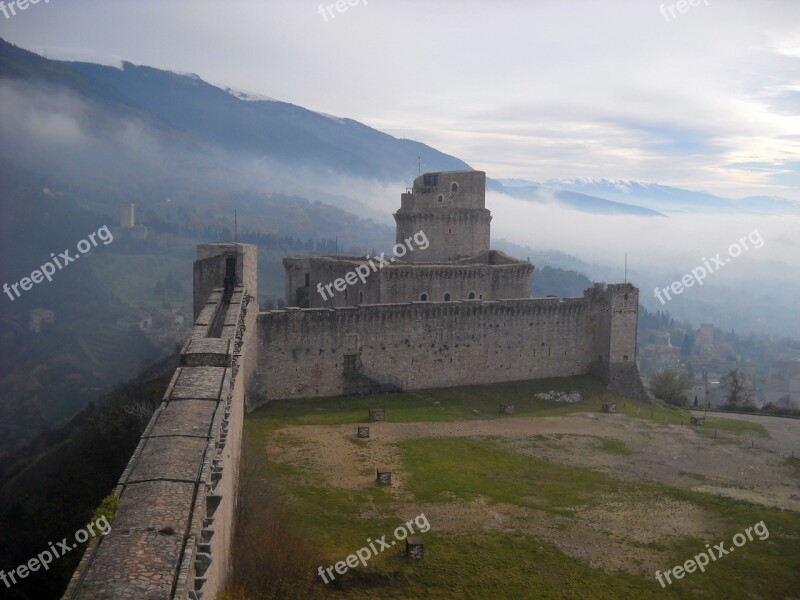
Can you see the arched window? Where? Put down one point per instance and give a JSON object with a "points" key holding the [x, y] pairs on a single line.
{"points": [[423, 297], [454, 187], [447, 297], [472, 295], [440, 198]]}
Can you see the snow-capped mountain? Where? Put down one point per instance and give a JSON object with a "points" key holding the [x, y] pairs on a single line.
{"points": [[663, 198]]}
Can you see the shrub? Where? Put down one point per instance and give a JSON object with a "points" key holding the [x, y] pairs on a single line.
{"points": [[273, 559], [671, 387]]}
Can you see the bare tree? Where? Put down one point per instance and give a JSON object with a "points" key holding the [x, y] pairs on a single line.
{"points": [[739, 390], [141, 409]]}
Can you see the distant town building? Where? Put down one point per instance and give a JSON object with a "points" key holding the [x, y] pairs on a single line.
{"points": [[139, 232], [38, 316], [783, 384], [702, 394], [127, 217], [126, 323], [128, 229], [704, 339], [146, 322], [657, 352]]}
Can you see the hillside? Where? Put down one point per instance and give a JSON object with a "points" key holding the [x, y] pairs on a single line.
{"points": [[51, 485]]}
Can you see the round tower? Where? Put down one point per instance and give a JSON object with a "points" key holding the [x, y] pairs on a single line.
{"points": [[450, 207]]}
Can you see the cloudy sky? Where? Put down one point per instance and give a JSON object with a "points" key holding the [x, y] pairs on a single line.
{"points": [[707, 99]]}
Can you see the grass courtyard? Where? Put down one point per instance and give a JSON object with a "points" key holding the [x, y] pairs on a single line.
{"points": [[556, 501]]}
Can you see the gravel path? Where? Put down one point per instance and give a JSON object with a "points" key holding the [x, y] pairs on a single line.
{"points": [[784, 433]]}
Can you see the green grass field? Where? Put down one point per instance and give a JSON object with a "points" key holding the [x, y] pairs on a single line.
{"points": [[731, 427], [480, 564], [463, 403]]}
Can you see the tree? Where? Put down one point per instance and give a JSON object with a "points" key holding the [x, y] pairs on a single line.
{"points": [[172, 284], [671, 387], [688, 343], [141, 409], [739, 390]]}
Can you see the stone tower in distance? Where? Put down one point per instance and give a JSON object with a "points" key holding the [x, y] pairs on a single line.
{"points": [[450, 207]]}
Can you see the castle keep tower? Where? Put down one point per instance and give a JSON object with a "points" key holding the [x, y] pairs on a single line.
{"points": [[450, 207], [442, 254]]}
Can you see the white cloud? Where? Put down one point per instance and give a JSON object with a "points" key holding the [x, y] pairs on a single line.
{"points": [[538, 90], [659, 244]]}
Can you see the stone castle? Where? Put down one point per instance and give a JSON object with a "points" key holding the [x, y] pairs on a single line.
{"points": [[444, 310], [447, 311]]}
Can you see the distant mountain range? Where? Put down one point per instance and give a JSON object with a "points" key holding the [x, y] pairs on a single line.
{"points": [[198, 116], [229, 119], [661, 198], [575, 200]]}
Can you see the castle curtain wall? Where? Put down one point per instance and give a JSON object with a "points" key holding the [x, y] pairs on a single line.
{"points": [[424, 345]]}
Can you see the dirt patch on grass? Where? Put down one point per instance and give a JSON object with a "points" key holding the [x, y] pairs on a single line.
{"points": [[615, 534]]}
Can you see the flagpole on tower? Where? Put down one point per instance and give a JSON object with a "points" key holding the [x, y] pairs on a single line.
{"points": [[626, 267]]}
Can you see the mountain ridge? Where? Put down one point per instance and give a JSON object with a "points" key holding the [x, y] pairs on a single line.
{"points": [[243, 122]]}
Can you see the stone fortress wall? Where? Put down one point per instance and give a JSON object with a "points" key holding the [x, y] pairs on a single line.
{"points": [[496, 276], [172, 534], [417, 345]]}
